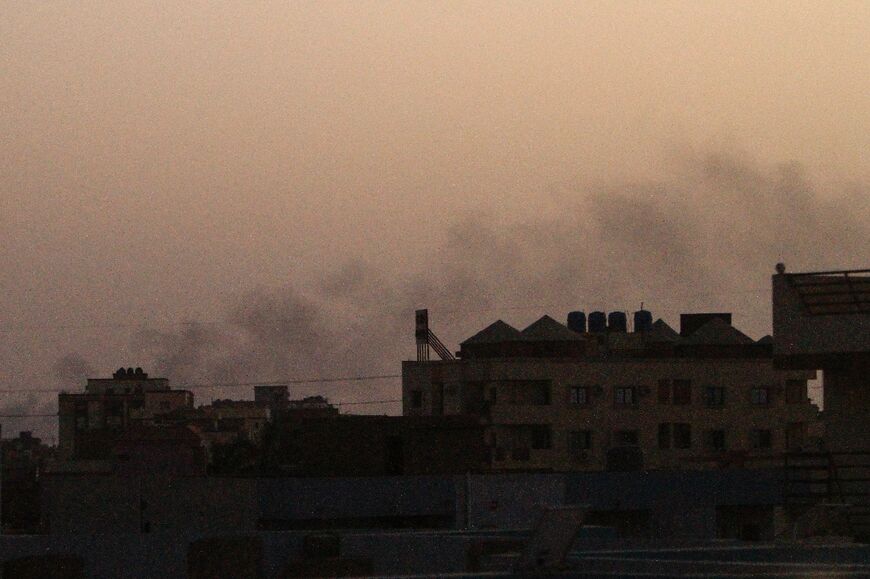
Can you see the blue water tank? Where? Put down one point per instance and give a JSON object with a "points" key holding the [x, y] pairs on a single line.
{"points": [[577, 321], [598, 322], [617, 322], [643, 321]]}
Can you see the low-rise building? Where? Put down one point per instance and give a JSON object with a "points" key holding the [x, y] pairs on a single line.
{"points": [[355, 445], [554, 398], [23, 460]]}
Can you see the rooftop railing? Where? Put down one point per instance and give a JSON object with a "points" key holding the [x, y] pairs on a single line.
{"points": [[833, 292]]}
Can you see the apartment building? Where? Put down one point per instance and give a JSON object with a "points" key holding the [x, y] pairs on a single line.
{"points": [[559, 398], [90, 423]]}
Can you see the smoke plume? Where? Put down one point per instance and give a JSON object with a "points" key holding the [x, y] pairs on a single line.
{"points": [[599, 247]]}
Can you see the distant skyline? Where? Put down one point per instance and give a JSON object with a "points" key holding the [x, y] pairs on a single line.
{"points": [[335, 165]]}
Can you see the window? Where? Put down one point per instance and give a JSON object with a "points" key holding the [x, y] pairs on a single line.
{"points": [[716, 439], [540, 393], [682, 435], [541, 437], [682, 392], [715, 396], [664, 436], [794, 435], [579, 441], [760, 438], [664, 391], [760, 396], [416, 399], [624, 395], [795, 391], [579, 395], [626, 438]]}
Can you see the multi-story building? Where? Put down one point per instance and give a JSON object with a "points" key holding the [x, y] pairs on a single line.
{"points": [[554, 398], [91, 422]]}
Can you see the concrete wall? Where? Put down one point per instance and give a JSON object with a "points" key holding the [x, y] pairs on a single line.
{"points": [[847, 408], [101, 504], [511, 501], [100, 518], [738, 416], [303, 499]]}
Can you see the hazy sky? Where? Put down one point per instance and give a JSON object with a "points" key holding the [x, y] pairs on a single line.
{"points": [[334, 165]]}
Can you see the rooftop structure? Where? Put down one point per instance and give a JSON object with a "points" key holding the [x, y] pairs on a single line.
{"points": [[603, 397]]}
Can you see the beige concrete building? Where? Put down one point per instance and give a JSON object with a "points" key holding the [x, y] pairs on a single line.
{"points": [[553, 398], [91, 422]]}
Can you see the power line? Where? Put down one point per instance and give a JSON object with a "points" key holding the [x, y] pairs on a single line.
{"points": [[207, 386]]}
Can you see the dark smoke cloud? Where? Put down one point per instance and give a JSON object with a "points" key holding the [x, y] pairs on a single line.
{"points": [[72, 370], [706, 240]]}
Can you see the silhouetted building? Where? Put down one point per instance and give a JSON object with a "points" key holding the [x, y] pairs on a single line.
{"points": [[271, 395], [171, 451], [24, 458], [553, 398], [91, 423], [354, 445]]}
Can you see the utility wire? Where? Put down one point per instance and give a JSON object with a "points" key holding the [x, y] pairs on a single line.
{"points": [[207, 386]]}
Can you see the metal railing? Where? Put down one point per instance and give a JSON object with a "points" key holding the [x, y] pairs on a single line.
{"points": [[833, 292]]}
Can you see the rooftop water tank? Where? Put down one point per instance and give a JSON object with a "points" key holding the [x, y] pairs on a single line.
{"points": [[643, 321], [617, 322], [598, 322], [577, 322]]}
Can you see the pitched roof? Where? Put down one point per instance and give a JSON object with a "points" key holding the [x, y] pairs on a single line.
{"points": [[493, 334], [718, 332], [661, 332], [546, 329]]}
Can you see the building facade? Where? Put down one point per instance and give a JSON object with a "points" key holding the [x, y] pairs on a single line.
{"points": [[556, 399], [90, 423]]}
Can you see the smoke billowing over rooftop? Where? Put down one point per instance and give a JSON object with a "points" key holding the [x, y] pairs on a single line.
{"points": [[249, 193]]}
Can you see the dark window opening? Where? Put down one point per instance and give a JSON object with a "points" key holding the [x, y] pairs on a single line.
{"points": [[541, 437], [579, 441], [579, 395], [761, 438], [664, 436], [626, 438], [760, 396], [715, 396], [540, 393], [416, 399], [682, 435], [682, 392], [795, 391], [716, 439], [664, 391], [624, 396]]}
